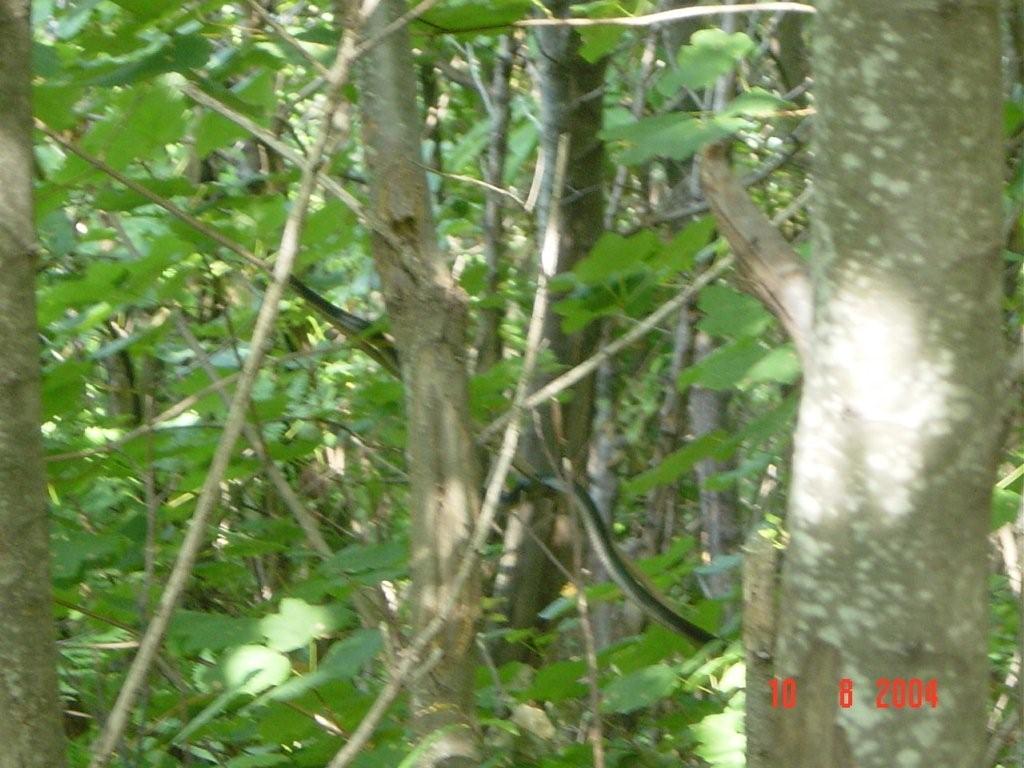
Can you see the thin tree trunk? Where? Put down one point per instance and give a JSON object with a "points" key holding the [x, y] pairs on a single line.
{"points": [[571, 95], [885, 575], [31, 735], [428, 317], [662, 500], [489, 347], [719, 529]]}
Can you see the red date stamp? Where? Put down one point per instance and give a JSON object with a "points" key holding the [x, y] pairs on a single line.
{"points": [[890, 693]]}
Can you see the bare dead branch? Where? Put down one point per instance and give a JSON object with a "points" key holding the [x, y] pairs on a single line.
{"points": [[770, 268]]}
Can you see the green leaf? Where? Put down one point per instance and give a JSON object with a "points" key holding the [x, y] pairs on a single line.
{"points": [[258, 89], [194, 631], [148, 10], [140, 121], [780, 365], [71, 24], [254, 668], [580, 310], [720, 739], [727, 312], [725, 367], [676, 136], [370, 563], [74, 550], [679, 253], [63, 387], [639, 689], [615, 256], [656, 644], [258, 761], [1006, 505], [179, 53], [208, 713], [558, 682], [1013, 117], [214, 132], [599, 41], [54, 104], [123, 281], [485, 16], [712, 445], [297, 623], [117, 198], [344, 661], [756, 102], [710, 54], [769, 423]]}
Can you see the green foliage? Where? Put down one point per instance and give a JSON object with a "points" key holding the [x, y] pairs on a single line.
{"points": [[267, 661], [710, 54]]}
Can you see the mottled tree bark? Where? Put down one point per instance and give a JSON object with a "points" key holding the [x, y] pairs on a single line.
{"points": [[428, 318], [30, 715], [885, 575]]}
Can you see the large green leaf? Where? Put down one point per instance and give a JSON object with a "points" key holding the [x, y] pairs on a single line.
{"points": [[714, 445], [727, 312], [720, 739], [193, 631], [139, 122], [558, 681], [179, 53], [1006, 506], [476, 15], [639, 689], [297, 623], [676, 136], [726, 366], [148, 10], [616, 257], [710, 54]]}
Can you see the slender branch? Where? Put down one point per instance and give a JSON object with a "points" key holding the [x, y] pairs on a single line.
{"points": [[477, 183], [295, 157], [288, 37], [662, 17], [409, 16]]}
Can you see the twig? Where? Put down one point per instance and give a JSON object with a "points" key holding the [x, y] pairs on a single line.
{"points": [[661, 17], [409, 16], [288, 37]]}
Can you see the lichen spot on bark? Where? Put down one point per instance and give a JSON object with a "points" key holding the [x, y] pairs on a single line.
{"points": [[871, 115]]}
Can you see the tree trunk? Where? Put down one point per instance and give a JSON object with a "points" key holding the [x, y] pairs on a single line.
{"points": [[428, 317], [30, 713], [489, 346], [571, 95], [719, 528], [885, 575]]}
